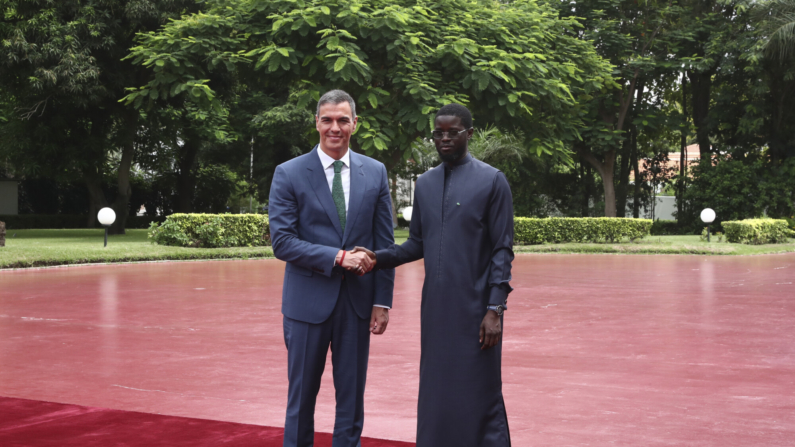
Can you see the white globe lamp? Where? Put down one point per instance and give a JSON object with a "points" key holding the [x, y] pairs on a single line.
{"points": [[407, 213], [708, 216], [106, 217]]}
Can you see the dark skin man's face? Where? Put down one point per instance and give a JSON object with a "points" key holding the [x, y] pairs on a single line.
{"points": [[451, 148]]}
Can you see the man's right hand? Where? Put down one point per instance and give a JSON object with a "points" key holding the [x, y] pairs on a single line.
{"points": [[356, 262], [369, 253]]}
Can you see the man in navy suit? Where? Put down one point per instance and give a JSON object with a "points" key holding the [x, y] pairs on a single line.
{"points": [[321, 205]]}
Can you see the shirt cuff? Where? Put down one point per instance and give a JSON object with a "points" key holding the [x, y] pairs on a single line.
{"points": [[381, 305]]}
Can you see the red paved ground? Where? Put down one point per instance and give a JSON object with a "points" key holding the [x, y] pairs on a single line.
{"points": [[599, 350]]}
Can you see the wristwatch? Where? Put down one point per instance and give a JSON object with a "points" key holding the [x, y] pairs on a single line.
{"points": [[499, 308]]}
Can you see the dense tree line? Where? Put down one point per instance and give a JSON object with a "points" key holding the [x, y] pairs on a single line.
{"points": [[186, 106]]}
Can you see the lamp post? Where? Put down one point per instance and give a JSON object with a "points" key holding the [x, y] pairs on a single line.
{"points": [[106, 217], [407, 213], [707, 216]]}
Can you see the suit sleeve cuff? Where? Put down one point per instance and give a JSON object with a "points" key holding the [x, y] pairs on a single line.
{"points": [[327, 261]]}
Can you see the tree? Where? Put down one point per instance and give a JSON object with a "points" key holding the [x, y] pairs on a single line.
{"points": [[511, 63], [629, 35], [62, 63]]}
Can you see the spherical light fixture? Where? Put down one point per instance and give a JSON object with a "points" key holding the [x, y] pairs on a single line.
{"points": [[407, 213], [106, 217], [708, 216]]}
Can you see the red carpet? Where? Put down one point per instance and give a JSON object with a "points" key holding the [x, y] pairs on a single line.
{"points": [[31, 423]]}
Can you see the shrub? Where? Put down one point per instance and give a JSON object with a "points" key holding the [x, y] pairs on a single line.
{"points": [[706, 235], [757, 231], [667, 228], [582, 229], [212, 230]]}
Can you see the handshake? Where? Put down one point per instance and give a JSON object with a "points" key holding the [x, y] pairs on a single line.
{"points": [[359, 260]]}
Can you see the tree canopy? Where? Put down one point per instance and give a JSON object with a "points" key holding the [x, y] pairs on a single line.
{"points": [[512, 63]]}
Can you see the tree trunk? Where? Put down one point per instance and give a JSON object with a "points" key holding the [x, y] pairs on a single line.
{"points": [[96, 197], [606, 171], [701, 91], [636, 170], [680, 201], [623, 175], [186, 180], [391, 161], [585, 179], [122, 203]]}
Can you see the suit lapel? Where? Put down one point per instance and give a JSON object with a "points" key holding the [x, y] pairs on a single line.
{"points": [[317, 178], [358, 186]]}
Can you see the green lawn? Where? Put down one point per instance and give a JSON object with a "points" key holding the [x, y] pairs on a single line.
{"points": [[662, 245], [401, 236], [38, 248]]}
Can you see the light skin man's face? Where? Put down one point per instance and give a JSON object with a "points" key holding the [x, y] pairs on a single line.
{"points": [[335, 124]]}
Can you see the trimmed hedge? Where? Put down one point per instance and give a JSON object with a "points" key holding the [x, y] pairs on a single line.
{"points": [[529, 231], [212, 230], [757, 231], [668, 228], [67, 221]]}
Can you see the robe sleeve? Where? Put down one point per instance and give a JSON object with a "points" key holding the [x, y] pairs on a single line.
{"points": [[383, 237], [500, 218], [409, 251]]}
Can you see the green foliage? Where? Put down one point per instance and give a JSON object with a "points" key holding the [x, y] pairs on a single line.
{"points": [[777, 18], [757, 231], [215, 184], [212, 230], [66, 221], [584, 229], [705, 235], [62, 74], [667, 228], [511, 62], [740, 189]]}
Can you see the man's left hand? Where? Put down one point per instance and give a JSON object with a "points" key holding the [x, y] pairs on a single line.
{"points": [[490, 330], [379, 319]]}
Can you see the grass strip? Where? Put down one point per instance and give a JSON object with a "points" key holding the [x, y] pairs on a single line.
{"points": [[43, 248], [669, 245]]}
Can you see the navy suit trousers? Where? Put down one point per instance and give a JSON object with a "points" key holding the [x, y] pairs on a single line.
{"points": [[307, 346]]}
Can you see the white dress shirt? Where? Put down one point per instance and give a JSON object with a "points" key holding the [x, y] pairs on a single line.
{"points": [[345, 173]]}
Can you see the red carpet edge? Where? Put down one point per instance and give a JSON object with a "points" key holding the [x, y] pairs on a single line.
{"points": [[31, 423]]}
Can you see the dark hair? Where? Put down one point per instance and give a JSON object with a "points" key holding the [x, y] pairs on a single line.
{"points": [[336, 97], [459, 111]]}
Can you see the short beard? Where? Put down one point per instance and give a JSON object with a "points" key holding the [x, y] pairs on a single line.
{"points": [[455, 156]]}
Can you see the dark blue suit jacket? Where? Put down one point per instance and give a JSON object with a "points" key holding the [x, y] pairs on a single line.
{"points": [[306, 233]]}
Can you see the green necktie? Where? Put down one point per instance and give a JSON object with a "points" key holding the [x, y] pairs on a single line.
{"points": [[338, 194]]}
